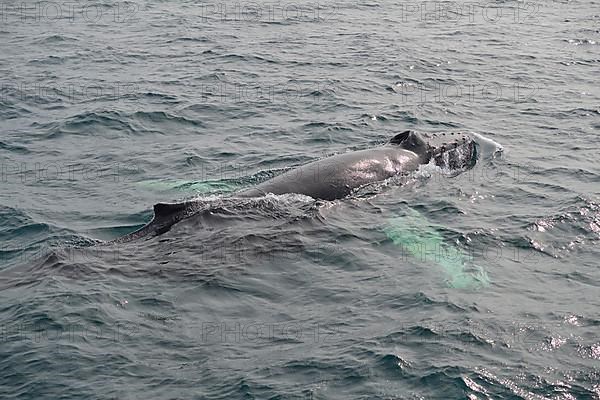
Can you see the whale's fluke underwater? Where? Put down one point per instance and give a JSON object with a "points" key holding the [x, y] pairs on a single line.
{"points": [[340, 175]]}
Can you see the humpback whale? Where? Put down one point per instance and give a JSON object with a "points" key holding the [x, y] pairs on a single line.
{"points": [[340, 175]]}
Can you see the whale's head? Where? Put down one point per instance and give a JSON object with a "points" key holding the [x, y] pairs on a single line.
{"points": [[453, 151]]}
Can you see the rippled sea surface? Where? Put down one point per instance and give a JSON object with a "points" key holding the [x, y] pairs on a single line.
{"points": [[483, 285]]}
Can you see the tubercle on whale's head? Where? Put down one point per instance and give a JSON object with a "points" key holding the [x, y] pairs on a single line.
{"points": [[451, 150], [448, 150]]}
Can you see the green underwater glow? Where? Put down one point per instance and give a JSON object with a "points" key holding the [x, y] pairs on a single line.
{"points": [[204, 187], [420, 240]]}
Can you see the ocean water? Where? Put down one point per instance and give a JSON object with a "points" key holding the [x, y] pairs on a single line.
{"points": [[481, 285]]}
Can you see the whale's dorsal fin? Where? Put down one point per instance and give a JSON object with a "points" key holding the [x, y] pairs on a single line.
{"points": [[165, 216], [170, 213], [164, 210]]}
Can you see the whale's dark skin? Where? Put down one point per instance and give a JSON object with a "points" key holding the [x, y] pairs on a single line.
{"points": [[338, 176]]}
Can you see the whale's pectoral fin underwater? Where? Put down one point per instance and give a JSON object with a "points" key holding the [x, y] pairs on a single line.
{"points": [[340, 175], [424, 242]]}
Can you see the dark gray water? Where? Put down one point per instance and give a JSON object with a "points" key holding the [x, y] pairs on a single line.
{"points": [[478, 286]]}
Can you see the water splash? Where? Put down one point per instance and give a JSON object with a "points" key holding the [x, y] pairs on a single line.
{"points": [[489, 147]]}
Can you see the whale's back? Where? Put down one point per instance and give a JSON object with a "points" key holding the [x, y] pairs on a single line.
{"points": [[337, 176]]}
